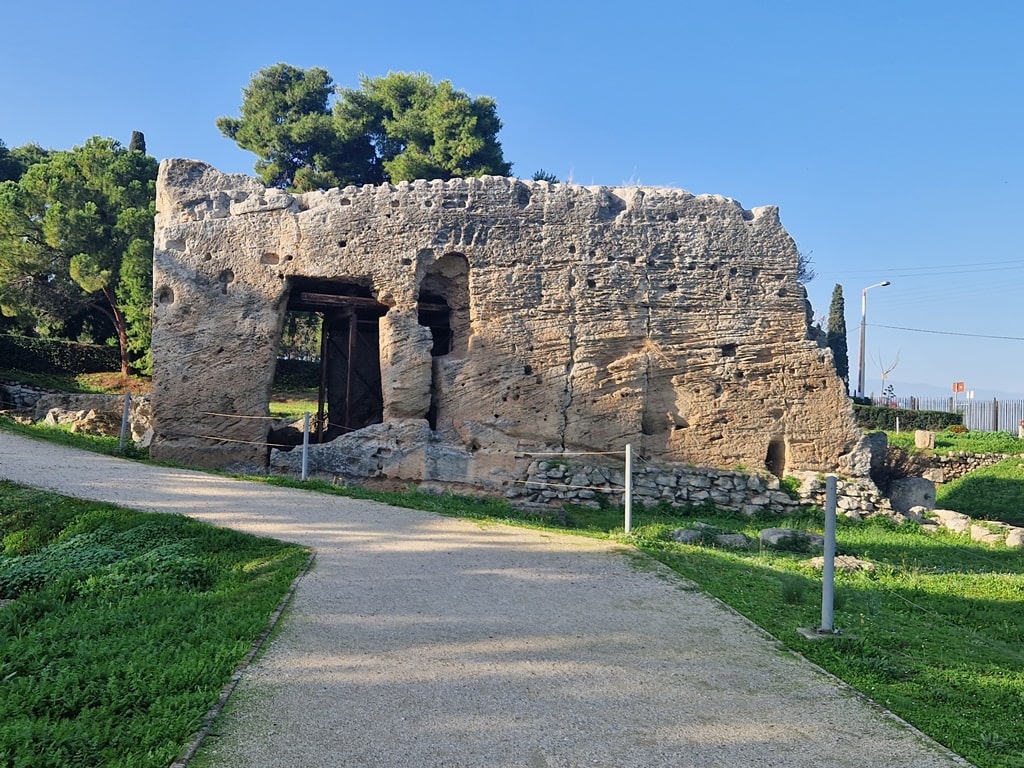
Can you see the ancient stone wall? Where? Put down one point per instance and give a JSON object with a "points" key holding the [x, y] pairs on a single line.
{"points": [[508, 316]]}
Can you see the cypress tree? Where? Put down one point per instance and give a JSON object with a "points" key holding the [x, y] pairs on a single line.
{"points": [[138, 142], [836, 335]]}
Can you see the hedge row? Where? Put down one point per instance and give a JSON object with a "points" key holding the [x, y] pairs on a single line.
{"points": [[56, 356], [296, 374], [874, 417]]}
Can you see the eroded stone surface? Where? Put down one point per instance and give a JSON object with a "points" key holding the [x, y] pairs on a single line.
{"points": [[579, 317]]}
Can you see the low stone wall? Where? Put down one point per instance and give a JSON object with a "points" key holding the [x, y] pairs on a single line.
{"points": [[15, 396], [557, 481], [949, 467]]}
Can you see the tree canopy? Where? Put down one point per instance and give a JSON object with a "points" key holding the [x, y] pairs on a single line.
{"points": [[308, 134], [76, 232]]}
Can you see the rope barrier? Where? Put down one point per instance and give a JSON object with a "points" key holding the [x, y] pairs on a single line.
{"points": [[244, 442], [610, 488], [571, 453], [240, 416]]}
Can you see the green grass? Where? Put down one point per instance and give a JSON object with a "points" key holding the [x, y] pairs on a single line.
{"points": [[123, 626], [989, 493], [293, 407], [62, 435], [969, 442]]}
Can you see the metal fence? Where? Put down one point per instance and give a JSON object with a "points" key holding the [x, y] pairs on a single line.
{"points": [[979, 415]]}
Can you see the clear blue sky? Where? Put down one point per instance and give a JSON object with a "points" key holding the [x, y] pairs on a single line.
{"points": [[889, 133]]}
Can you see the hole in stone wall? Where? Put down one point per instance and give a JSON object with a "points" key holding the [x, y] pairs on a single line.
{"points": [[728, 350], [347, 349], [435, 314], [444, 309], [270, 258], [165, 295], [225, 278], [775, 458]]}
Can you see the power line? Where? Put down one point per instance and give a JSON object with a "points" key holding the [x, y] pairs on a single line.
{"points": [[948, 333]]}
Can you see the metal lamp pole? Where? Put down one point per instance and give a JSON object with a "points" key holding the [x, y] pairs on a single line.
{"points": [[863, 325]]}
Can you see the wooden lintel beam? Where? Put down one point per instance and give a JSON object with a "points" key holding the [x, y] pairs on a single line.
{"points": [[308, 299]]}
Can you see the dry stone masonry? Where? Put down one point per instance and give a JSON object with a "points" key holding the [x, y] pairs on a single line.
{"points": [[471, 322]]}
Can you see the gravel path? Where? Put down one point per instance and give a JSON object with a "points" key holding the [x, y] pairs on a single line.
{"points": [[423, 641]]}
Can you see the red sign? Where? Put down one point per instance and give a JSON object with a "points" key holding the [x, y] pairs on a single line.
{"points": [[958, 386]]}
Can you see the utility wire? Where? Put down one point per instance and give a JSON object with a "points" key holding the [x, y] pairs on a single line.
{"points": [[948, 333]]}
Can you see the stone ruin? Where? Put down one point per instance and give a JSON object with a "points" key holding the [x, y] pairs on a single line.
{"points": [[471, 325]]}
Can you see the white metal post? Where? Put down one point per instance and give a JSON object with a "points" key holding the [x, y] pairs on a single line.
{"points": [[305, 446], [828, 575], [628, 495]]}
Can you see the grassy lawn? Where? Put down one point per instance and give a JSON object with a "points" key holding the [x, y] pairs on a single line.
{"points": [[969, 442], [122, 627], [990, 493]]}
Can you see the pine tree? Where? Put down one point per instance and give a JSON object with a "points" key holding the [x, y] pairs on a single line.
{"points": [[836, 335]]}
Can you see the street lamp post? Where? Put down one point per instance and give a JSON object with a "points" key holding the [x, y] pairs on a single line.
{"points": [[863, 325]]}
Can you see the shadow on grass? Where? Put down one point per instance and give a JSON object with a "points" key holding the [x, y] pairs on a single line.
{"points": [[991, 493]]}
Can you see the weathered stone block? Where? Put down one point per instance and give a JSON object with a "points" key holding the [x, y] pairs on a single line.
{"points": [[924, 439]]}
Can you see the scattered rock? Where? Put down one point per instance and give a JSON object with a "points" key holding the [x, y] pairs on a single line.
{"points": [[845, 563], [732, 540], [792, 539], [986, 535], [953, 521], [689, 535], [909, 492]]}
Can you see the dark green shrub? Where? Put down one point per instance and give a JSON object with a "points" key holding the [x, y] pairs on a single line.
{"points": [[296, 374], [56, 356], [876, 417]]}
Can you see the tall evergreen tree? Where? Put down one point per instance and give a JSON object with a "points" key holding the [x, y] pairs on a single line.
{"points": [[138, 142], [836, 334]]}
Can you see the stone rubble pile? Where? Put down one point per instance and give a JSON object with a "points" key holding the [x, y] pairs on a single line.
{"points": [[92, 414]]}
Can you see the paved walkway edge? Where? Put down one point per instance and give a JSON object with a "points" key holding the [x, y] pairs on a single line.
{"points": [[197, 739]]}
